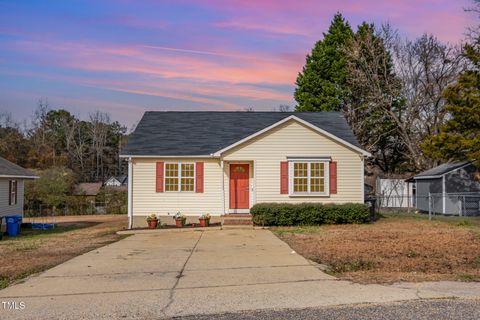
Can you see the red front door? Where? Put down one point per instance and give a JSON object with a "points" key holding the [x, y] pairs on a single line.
{"points": [[239, 186]]}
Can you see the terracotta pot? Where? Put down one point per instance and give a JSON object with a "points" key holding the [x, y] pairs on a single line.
{"points": [[179, 223], [204, 222], [152, 224]]}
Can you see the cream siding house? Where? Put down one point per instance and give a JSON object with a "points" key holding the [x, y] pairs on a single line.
{"points": [[223, 163], [12, 179]]}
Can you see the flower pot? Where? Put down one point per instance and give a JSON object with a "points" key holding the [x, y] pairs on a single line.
{"points": [[179, 223], [152, 224], [204, 222]]}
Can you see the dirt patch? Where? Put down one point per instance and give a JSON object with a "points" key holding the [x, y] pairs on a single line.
{"points": [[38, 250], [393, 249]]}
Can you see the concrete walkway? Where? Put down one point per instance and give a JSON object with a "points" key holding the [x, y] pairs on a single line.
{"points": [[172, 273]]}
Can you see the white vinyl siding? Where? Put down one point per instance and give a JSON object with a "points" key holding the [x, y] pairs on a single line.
{"points": [[147, 201], [5, 208], [293, 139]]}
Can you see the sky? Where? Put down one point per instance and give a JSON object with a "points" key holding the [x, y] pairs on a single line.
{"points": [[127, 56]]}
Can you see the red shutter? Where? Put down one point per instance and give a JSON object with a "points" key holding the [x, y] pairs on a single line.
{"points": [[284, 177], [159, 179], [333, 177], [199, 177]]}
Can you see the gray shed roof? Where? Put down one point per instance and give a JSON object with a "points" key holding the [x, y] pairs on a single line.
{"points": [[203, 133], [442, 169], [10, 169]]}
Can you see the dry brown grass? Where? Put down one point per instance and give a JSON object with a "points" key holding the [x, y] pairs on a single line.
{"points": [[395, 248], [38, 250]]}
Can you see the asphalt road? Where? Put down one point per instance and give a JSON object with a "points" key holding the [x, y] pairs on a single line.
{"points": [[418, 310]]}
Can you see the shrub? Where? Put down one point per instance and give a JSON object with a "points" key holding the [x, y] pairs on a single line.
{"points": [[286, 214]]}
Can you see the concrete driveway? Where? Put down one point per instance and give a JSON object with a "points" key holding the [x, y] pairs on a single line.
{"points": [[170, 273]]}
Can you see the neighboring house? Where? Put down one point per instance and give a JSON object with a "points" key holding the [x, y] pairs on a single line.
{"points": [[394, 193], [117, 181], [87, 190], [225, 162], [12, 179], [451, 188]]}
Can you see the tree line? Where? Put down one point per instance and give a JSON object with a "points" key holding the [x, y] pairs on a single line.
{"points": [[55, 138], [411, 103]]}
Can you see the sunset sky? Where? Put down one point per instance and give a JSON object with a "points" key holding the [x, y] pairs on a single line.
{"points": [[125, 57]]}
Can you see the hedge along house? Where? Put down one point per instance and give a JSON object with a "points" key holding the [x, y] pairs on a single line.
{"points": [[223, 163], [12, 179], [451, 188]]}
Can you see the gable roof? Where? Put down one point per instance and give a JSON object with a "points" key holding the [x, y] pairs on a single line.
{"points": [[439, 171], [120, 179], [206, 133], [11, 170]]}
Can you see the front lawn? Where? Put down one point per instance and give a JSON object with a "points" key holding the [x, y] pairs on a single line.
{"points": [[37, 250], [395, 248]]}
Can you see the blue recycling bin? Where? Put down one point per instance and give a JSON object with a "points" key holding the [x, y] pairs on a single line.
{"points": [[13, 225]]}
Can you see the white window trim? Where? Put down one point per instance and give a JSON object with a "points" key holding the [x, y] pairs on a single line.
{"points": [[13, 192], [291, 192], [179, 176]]}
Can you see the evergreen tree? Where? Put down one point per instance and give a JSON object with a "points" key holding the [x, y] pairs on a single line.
{"points": [[459, 138], [321, 86]]}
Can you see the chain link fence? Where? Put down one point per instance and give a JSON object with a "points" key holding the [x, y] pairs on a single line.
{"points": [[457, 204], [75, 209]]}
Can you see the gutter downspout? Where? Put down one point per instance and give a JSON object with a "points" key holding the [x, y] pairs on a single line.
{"points": [[130, 193], [444, 200]]}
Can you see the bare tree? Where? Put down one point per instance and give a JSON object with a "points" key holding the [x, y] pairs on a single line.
{"points": [[284, 108], [99, 131], [402, 86], [426, 67]]}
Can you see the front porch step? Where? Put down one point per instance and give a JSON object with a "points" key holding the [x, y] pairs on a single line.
{"points": [[237, 219]]}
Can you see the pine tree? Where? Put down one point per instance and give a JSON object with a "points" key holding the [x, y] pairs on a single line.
{"points": [[321, 86], [459, 138]]}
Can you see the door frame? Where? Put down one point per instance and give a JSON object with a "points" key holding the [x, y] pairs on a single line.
{"points": [[250, 191]]}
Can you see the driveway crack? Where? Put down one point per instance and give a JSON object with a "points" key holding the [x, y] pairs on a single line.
{"points": [[179, 276]]}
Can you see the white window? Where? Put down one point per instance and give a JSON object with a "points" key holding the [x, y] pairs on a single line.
{"points": [[12, 200], [309, 177], [179, 176]]}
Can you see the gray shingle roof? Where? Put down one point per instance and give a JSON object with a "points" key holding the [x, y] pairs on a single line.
{"points": [[442, 169], [203, 133], [8, 168]]}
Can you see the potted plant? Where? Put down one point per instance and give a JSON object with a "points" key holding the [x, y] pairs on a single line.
{"points": [[180, 219], [204, 220], [152, 221]]}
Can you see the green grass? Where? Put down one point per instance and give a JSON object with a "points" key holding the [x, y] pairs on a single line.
{"points": [[352, 266], [453, 220], [468, 277], [35, 234], [4, 282], [296, 230]]}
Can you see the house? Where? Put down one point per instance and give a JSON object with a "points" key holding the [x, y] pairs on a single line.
{"points": [[116, 181], [451, 188], [225, 162], [12, 179], [87, 190]]}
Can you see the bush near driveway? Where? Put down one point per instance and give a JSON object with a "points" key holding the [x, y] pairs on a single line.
{"points": [[286, 214]]}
